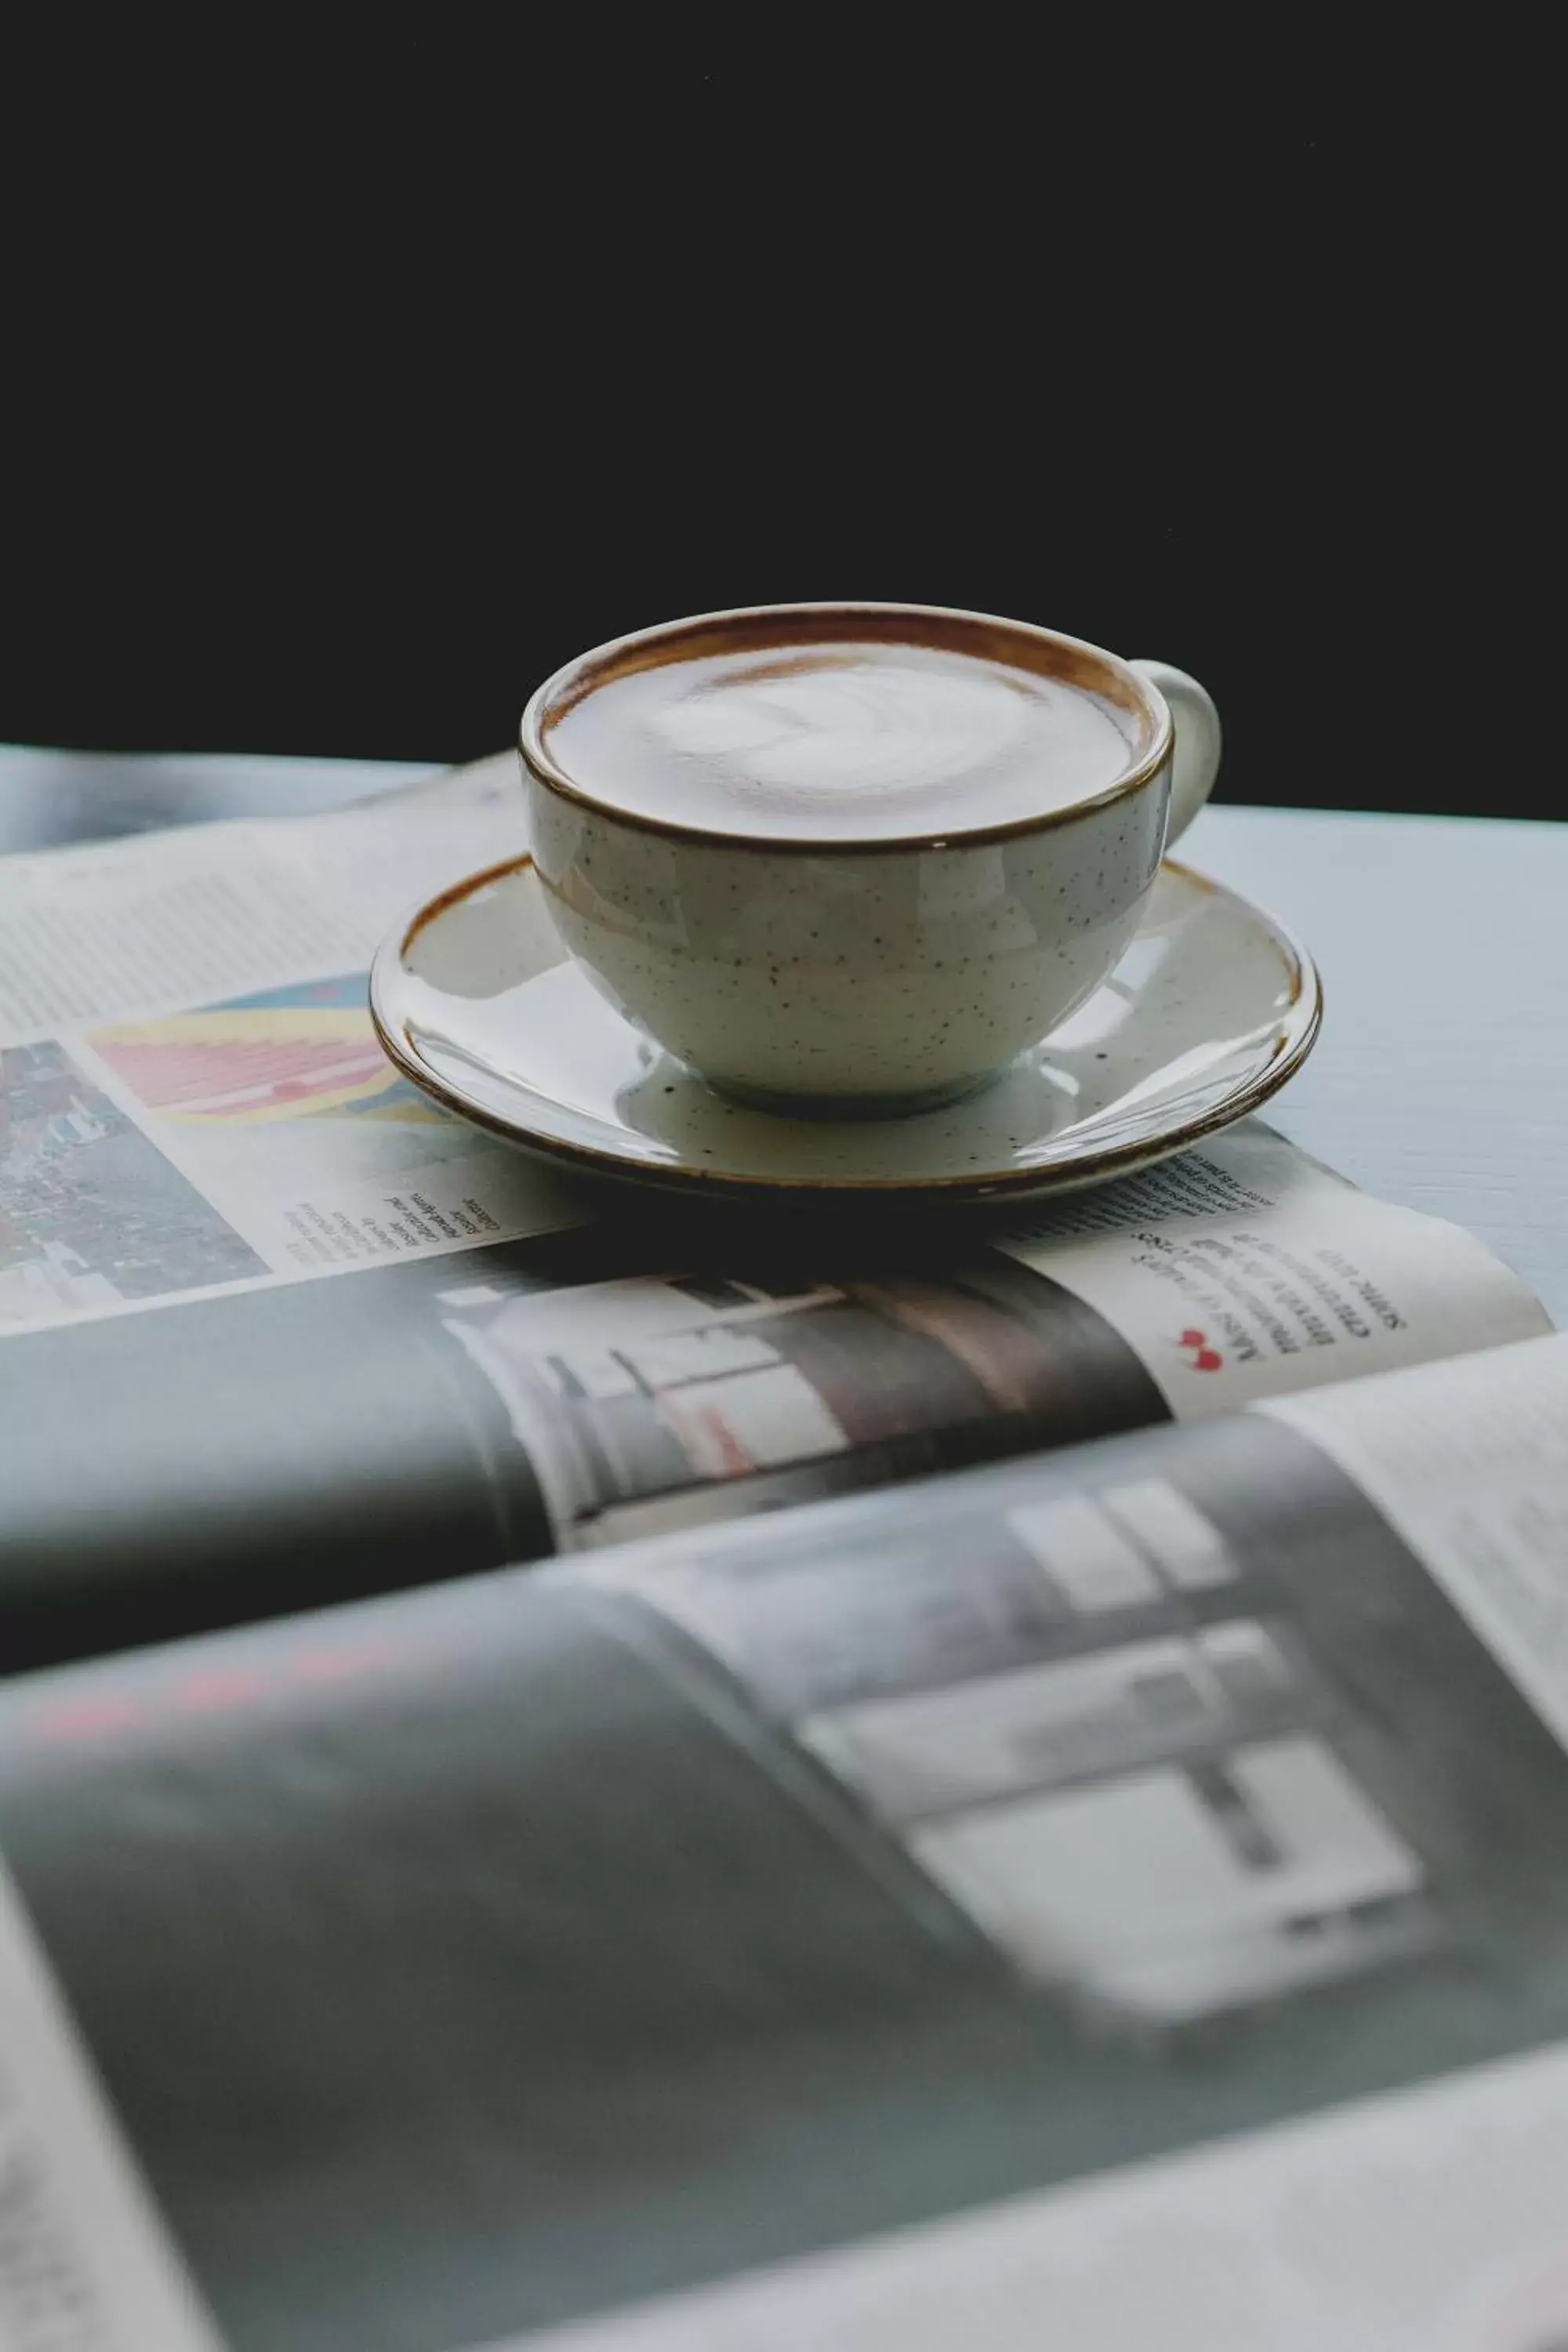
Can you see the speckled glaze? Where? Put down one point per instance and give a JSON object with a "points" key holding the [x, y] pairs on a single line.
{"points": [[1209, 1011], [866, 976]]}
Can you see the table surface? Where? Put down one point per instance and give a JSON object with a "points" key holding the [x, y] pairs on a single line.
{"points": [[1441, 1078]]}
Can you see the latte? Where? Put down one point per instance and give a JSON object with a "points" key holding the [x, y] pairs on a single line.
{"points": [[838, 741]]}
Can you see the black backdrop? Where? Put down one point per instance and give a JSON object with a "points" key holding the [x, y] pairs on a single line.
{"points": [[349, 384]]}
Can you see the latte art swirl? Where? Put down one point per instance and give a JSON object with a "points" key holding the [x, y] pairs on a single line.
{"points": [[835, 741], [869, 728]]}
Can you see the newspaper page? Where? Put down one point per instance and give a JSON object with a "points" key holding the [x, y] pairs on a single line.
{"points": [[196, 1122], [1430, 2222], [285, 1444], [85, 2264], [191, 1096], [1470, 1461], [1124, 1888], [192, 1100], [1427, 2219]]}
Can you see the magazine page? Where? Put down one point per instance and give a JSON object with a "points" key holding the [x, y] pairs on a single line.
{"points": [[288, 1444], [1125, 1887], [85, 2264], [192, 1101], [1470, 1461], [191, 1096], [198, 1128]]}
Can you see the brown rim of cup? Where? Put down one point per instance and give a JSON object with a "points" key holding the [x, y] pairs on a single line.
{"points": [[758, 626]]}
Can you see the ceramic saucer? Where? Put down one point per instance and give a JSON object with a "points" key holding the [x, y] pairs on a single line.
{"points": [[1209, 1012]]}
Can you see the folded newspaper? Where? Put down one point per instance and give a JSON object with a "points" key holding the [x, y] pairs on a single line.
{"points": [[574, 1776]]}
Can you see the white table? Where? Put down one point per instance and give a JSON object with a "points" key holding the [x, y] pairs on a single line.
{"points": [[1441, 1078]]}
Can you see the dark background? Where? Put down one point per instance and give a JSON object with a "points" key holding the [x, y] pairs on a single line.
{"points": [[349, 385]]}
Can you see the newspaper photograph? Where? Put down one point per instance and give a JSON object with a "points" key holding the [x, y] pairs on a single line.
{"points": [[1160, 1921], [461, 1406], [1241, 1270]]}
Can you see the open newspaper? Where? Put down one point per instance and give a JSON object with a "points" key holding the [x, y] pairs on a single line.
{"points": [[276, 1330], [1108, 1897]]}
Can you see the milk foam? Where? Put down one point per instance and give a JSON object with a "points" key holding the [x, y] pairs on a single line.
{"points": [[839, 742]]}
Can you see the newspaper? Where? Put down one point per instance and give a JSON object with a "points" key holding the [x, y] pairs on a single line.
{"points": [[1030, 1797], [1430, 2222], [191, 1095], [1122, 1889], [192, 1103], [197, 1125], [85, 2264]]}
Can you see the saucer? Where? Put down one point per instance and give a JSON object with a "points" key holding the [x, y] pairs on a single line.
{"points": [[1209, 1012]]}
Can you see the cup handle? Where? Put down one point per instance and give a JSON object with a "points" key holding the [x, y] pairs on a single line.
{"points": [[1196, 762]]}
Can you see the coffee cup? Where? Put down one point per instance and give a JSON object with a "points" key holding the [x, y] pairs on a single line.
{"points": [[852, 858]]}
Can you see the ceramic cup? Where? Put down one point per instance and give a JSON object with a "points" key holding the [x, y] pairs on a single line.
{"points": [[856, 976]]}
